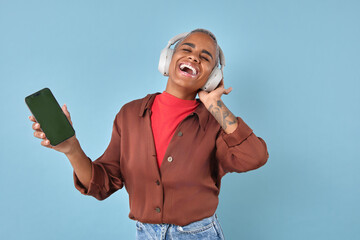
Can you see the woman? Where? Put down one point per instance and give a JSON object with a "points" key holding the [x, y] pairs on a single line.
{"points": [[171, 150]]}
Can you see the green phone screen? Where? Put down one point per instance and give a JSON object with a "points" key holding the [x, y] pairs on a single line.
{"points": [[48, 113]]}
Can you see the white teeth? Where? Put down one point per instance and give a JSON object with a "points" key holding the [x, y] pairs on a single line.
{"points": [[183, 65]]}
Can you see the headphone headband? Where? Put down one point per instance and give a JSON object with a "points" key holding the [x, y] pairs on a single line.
{"points": [[221, 57], [177, 38]]}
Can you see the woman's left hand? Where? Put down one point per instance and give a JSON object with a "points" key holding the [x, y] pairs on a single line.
{"points": [[217, 108], [209, 97]]}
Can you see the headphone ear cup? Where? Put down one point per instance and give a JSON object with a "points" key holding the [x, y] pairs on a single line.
{"points": [[165, 59], [168, 61], [213, 80]]}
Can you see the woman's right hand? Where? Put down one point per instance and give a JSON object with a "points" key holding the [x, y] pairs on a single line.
{"points": [[66, 147]]}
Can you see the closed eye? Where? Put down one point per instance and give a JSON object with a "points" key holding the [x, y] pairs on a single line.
{"points": [[189, 50], [205, 58]]}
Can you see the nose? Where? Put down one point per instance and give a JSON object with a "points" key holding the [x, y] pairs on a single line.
{"points": [[193, 58]]}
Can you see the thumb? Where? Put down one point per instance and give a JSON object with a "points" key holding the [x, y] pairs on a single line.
{"points": [[202, 93]]}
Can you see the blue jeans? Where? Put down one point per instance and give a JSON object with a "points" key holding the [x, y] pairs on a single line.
{"points": [[207, 228]]}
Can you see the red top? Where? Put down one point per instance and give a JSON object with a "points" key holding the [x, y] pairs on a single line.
{"points": [[167, 113]]}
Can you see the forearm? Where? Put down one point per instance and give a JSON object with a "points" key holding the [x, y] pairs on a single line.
{"points": [[222, 114], [81, 164]]}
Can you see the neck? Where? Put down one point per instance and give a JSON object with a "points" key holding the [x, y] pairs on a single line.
{"points": [[179, 92]]}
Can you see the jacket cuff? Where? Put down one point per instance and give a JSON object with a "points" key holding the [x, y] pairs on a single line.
{"points": [[239, 135], [80, 187]]}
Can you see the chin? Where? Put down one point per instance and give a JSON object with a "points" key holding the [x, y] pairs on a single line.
{"points": [[188, 84]]}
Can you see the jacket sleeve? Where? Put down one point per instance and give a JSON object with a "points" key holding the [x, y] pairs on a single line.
{"points": [[241, 150], [106, 176]]}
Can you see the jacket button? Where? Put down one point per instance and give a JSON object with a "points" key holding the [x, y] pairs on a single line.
{"points": [[157, 209], [170, 159], [157, 182], [180, 134]]}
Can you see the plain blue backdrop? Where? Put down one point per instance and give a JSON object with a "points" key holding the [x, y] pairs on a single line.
{"points": [[295, 71]]}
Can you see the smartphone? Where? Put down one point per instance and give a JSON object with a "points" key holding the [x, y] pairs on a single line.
{"points": [[49, 114]]}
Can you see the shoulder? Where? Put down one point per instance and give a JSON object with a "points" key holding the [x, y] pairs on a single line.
{"points": [[136, 107]]}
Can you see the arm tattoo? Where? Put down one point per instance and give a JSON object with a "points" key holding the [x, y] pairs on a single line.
{"points": [[222, 114]]}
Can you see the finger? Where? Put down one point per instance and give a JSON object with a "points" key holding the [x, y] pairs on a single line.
{"points": [[227, 91], [46, 143], [32, 118], [36, 126], [67, 113], [65, 110], [39, 134]]}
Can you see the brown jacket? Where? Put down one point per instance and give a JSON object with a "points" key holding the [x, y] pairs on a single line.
{"points": [[186, 187]]}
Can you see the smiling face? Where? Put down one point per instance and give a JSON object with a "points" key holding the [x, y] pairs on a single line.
{"points": [[191, 65]]}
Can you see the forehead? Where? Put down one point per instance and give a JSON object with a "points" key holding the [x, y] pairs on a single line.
{"points": [[202, 41]]}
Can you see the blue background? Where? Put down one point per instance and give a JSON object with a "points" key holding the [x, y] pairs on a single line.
{"points": [[294, 67]]}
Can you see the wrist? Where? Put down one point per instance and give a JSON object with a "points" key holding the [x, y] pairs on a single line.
{"points": [[74, 149], [222, 114], [213, 102]]}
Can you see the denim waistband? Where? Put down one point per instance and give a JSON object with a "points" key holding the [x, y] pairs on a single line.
{"points": [[206, 228]]}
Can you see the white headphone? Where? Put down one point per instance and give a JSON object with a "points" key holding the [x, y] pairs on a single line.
{"points": [[167, 53]]}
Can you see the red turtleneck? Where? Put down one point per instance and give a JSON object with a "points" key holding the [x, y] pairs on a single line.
{"points": [[167, 113]]}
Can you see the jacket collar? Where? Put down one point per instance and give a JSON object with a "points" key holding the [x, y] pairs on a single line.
{"points": [[201, 112]]}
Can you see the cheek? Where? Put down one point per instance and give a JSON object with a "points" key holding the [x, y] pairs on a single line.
{"points": [[206, 75], [208, 70], [172, 63]]}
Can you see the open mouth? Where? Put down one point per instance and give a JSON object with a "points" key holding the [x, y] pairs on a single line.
{"points": [[188, 69]]}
